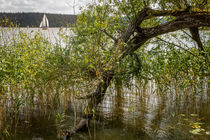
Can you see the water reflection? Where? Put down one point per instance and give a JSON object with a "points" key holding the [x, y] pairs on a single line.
{"points": [[123, 114]]}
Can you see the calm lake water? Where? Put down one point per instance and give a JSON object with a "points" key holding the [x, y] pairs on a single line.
{"points": [[124, 114], [51, 34]]}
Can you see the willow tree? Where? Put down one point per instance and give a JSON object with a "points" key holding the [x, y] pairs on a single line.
{"points": [[107, 32]]}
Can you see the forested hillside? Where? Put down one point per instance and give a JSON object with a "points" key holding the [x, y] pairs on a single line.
{"points": [[34, 19]]}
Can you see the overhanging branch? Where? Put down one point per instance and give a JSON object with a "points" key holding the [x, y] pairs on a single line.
{"points": [[180, 23], [195, 36]]}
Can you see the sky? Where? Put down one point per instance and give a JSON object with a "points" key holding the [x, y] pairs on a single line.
{"points": [[45, 6]]}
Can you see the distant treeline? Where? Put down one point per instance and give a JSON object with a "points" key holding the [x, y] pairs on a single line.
{"points": [[34, 19]]}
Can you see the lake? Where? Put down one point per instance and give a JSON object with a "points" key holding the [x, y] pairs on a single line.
{"points": [[51, 34], [133, 115]]}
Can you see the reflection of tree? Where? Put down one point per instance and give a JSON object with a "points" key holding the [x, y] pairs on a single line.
{"points": [[158, 118], [3, 124], [118, 105], [1, 116]]}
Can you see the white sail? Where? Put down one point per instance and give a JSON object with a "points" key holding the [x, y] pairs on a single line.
{"points": [[40, 24], [44, 23]]}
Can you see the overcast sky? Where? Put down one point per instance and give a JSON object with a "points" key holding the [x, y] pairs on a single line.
{"points": [[46, 6]]}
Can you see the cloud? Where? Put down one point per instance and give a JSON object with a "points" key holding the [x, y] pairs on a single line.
{"points": [[47, 6]]}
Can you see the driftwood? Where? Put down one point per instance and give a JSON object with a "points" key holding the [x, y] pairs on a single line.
{"points": [[136, 37]]}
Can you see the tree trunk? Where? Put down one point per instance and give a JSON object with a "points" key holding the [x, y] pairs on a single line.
{"points": [[95, 99]]}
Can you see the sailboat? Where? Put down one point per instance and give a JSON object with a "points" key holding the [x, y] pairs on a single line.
{"points": [[44, 23]]}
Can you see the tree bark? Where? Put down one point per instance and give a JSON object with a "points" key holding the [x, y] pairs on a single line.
{"points": [[95, 99], [196, 36]]}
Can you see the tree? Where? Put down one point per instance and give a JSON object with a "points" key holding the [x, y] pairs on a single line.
{"points": [[110, 31]]}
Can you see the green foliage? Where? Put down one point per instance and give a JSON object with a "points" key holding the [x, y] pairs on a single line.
{"points": [[22, 58], [164, 63], [35, 71], [31, 61], [32, 68]]}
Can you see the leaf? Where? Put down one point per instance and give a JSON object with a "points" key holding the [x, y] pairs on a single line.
{"points": [[182, 115], [195, 125], [194, 115], [196, 131]]}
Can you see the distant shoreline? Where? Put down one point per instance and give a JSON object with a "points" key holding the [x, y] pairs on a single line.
{"points": [[33, 20], [36, 27]]}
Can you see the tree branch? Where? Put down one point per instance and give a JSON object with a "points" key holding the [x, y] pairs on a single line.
{"points": [[170, 43], [130, 29], [115, 40], [195, 36], [177, 24]]}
